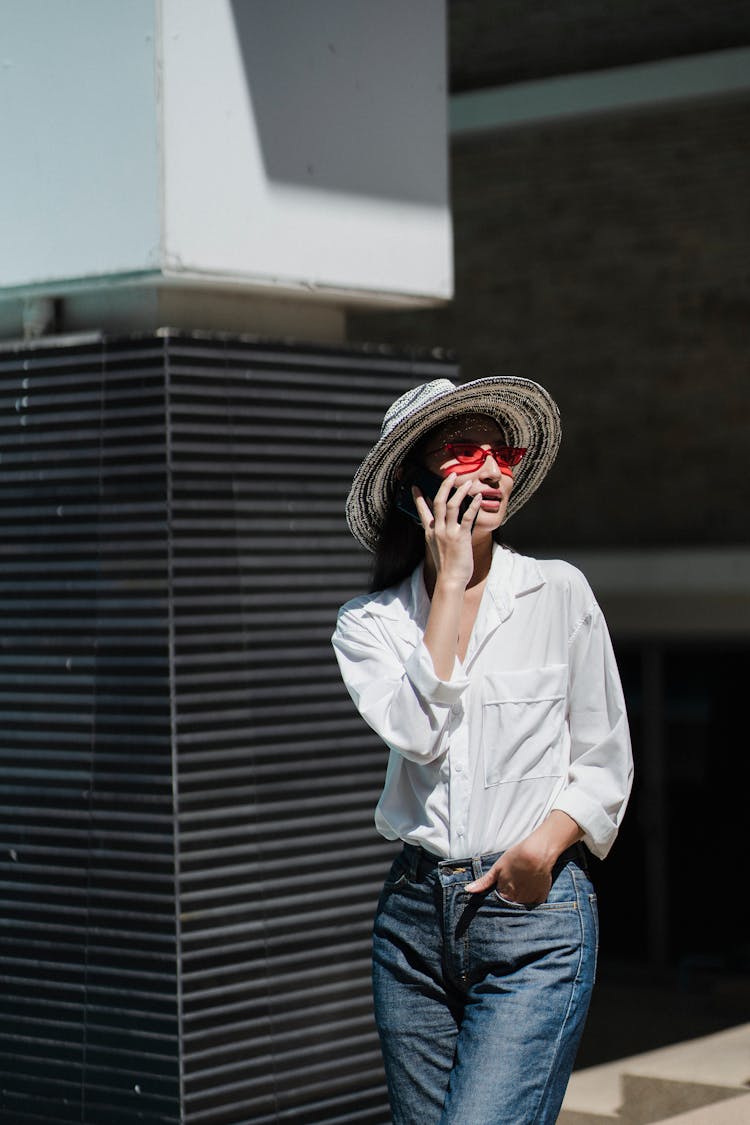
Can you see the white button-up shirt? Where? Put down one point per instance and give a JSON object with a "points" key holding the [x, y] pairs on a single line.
{"points": [[532, 720]]}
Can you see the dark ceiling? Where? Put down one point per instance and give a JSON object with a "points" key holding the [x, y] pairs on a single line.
{"points": [[494, 42]]}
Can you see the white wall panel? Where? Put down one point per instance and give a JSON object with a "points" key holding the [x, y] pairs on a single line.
{"points": [[79, 192], [271, 145], [305, 143]]}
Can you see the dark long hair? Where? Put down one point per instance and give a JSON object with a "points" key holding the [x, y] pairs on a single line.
{"points": [[400, 549]]}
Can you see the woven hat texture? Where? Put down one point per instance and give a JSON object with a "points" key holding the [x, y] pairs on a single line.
{"points": [[527, 414]]}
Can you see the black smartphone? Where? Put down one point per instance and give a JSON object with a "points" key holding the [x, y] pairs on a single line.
{"points": [[429, 483]]}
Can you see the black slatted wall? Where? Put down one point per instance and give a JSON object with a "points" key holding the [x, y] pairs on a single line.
{"points": [[89, 967], [188, 861]]}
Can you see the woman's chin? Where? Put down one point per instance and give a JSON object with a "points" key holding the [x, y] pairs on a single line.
{"points": [[489, 520]]}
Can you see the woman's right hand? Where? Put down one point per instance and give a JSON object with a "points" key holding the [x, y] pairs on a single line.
{"points": [[448, 538]]}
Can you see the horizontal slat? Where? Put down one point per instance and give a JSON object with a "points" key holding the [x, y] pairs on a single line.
{"points": [[191, 868]]}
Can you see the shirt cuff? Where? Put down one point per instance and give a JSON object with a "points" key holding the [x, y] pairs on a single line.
{"points": [[599, 832], [420, 670]]}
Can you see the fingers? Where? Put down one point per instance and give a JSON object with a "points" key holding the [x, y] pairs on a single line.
{"points": [[465, 519], [424, 511], [432, 510], [472, 511], [491, 880], [454, 499], [447, 503], [479, 886], [446, 495], [529, 890]]}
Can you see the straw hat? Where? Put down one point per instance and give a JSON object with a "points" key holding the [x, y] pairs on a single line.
{"points": [[527, 414]]}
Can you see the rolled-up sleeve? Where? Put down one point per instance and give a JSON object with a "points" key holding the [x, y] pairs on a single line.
{"points": [[402, 700], [601, 766]]}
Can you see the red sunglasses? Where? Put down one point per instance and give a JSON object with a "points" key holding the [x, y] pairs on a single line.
{"points": [[472, 455]]}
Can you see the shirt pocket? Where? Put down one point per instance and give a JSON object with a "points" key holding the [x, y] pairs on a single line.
{"points": [[523, 723]]}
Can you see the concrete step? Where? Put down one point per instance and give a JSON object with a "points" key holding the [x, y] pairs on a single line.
{"points": [[732, 1111], [646, 1099], [657, 1085]]}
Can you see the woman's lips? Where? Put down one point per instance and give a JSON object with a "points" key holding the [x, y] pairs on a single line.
{"points": [[491, 501]]}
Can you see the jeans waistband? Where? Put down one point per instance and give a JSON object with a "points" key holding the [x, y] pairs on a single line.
{"points": [[422, 861]]}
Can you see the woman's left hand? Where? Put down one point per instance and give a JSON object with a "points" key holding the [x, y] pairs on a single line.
{"points": [[522, 874]]}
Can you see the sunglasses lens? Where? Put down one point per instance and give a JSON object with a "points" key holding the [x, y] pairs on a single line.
{"points": [[470, 454], [465, 453], [510, 454]]}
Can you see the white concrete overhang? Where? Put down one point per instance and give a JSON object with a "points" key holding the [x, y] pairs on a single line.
{"points": [[671, 593]]}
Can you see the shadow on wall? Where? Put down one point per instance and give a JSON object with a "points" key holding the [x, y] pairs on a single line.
{"points": [[333, 116]]}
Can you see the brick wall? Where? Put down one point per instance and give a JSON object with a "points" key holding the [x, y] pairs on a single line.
{"points": [[608, 257]]}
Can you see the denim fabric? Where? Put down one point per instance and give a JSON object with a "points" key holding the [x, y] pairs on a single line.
{"points": [[480, 1003]]}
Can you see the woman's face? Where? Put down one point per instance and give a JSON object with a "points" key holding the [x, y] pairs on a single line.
{"points": [[489, 471]]}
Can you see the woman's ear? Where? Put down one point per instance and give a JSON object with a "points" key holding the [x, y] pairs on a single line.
{"points": [[399, 474]]}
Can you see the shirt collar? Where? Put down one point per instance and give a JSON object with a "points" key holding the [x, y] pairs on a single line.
{"points": [[511, 576]]}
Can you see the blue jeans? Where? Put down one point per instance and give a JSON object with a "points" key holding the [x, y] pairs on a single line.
{"points": [[480, 1003]]}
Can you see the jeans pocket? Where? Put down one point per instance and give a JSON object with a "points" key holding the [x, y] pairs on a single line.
{"points": [[398, 874], [516, 906]]}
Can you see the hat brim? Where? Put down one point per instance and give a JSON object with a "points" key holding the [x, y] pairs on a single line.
{"points": [[528, 415]]}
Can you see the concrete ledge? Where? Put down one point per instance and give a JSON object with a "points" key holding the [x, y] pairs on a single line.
{"points": [[734, 1111], [647, 1099], [714, 1065], [671, 593]]}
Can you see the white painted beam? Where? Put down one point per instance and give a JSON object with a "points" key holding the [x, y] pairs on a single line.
{"points": [[626, 87], [269, 150], [671, 593]]}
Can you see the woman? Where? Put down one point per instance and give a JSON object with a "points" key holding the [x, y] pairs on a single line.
{"points": [[490, 677]]}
